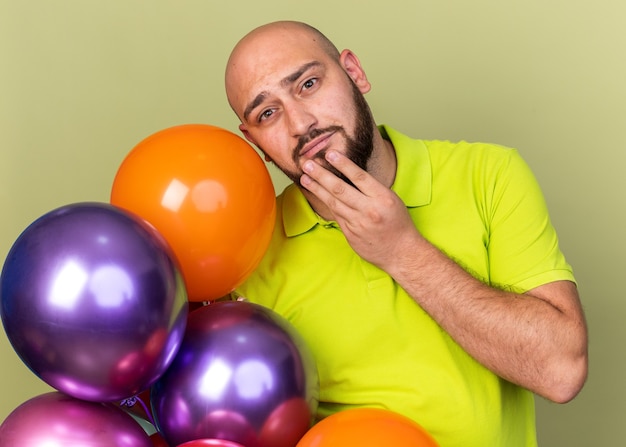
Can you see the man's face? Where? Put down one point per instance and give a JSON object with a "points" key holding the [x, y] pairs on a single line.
{"points": [[298, 102]]}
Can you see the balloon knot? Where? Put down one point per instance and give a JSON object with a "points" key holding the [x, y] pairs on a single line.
{"points": [[129, 402]]}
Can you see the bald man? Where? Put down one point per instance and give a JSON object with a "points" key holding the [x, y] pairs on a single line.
{"points": [[425, 275]]}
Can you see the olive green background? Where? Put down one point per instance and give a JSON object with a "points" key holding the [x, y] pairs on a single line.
{"points": [[82, 82]]}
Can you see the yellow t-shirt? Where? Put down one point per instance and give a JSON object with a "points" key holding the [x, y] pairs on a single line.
{"points": [[374, 346]]}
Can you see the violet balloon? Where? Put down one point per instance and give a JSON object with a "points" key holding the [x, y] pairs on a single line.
{"points": [[242, 374], [55, 419], [93, 302]]}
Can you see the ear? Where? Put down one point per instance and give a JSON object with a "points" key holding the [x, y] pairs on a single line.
{"points": [[352, 66], [244, 131], [246, 134]]}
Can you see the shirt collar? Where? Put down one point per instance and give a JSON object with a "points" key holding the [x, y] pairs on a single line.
{"points": [[412, 184], [413, 180], [298, 216]]}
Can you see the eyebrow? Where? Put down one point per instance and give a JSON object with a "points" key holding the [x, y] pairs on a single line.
{"points": [[253, 105], [287, 80]]}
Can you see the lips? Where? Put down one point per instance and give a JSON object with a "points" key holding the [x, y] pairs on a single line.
{"points": [[315, 145]]}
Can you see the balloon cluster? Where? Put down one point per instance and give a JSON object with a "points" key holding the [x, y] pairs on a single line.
{"points": [[95, 299]]}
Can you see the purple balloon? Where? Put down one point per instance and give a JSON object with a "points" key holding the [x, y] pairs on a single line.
{"points": [[242, 374], [92, 301], [55, 419]]}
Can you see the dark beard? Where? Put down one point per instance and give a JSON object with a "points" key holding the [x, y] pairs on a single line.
{"points": [[358, 148]]}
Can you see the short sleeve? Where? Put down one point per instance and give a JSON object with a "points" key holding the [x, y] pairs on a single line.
{"points": [[523, 245]]}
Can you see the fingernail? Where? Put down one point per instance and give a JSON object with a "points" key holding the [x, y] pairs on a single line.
{"points": [[308, 166], [331, 156]]}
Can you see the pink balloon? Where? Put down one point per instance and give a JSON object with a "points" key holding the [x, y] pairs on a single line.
{"points": [[55, 419], [211, 443]]}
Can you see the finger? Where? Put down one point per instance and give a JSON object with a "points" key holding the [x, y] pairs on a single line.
{"points": [[330, 189], [361, 179]]}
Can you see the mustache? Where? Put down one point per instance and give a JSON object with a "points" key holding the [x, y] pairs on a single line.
{"points": [[304, 139]]}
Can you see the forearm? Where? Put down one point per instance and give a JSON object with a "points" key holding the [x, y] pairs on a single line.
{"points": [[536, 340]]}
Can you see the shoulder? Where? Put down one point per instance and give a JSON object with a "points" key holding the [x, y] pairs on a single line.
{"points": [[442, 151]]}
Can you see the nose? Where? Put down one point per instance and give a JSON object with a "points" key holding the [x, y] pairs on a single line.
{"points": [[301, 120]]}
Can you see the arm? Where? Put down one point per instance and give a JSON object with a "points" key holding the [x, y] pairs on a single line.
{"points": [[537, 340]]}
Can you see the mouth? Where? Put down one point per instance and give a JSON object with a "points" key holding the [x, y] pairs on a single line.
{"points": [[313, 147]]}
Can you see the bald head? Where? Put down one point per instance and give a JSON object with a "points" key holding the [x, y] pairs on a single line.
{"points": [[266, 47]]}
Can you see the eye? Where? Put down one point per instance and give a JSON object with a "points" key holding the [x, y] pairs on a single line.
{"points": [[265, 114], [309, 84]]}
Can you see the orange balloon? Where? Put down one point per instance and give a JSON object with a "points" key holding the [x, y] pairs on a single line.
{"points": [[209, 194], [367, 427]]}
